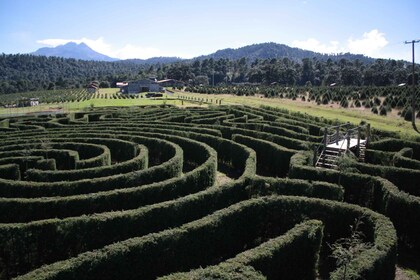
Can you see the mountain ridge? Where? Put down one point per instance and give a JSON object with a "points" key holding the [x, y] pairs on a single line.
{"points": [[268, 50], [272, 50]]}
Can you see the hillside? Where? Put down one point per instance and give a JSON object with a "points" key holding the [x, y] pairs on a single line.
{"points": [[274, 50], [251, 52], [26, 72]]}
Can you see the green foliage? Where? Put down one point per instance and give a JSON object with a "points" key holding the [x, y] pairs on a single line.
{"points": [[146, 192], [344, 250]]}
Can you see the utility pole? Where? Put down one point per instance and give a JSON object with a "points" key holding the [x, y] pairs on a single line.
{"points": [[413, 100]]}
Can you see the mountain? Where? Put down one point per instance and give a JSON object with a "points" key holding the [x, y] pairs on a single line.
{"points": [[73, 50], [251, 52], [274, 50], [155, 60]]}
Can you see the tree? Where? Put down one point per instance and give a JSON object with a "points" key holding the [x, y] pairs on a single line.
{"points": [[344, 250], [46, 145], [307, 71]]}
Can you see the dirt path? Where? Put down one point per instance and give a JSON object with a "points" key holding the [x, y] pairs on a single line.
{"points": [[401, 274], [222, 179]]}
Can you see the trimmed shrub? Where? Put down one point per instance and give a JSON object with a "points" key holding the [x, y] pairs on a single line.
{"points": [[10, 171], [272, 160], [232, 229]]}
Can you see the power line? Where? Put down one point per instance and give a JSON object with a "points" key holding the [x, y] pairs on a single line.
{"points": [[413, 99]]}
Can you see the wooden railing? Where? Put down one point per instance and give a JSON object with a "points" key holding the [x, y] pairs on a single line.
{"points": [[339, 133]]}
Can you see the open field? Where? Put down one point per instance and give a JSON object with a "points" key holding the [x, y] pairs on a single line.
{"points": [[105, 98], [391, 122]]}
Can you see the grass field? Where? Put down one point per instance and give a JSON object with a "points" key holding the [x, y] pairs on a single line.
{"points": [[352, 115], [103, 99]]}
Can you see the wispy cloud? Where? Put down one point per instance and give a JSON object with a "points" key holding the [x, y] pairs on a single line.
{"points": [[371, 44], [315, 45], [99, 45]]}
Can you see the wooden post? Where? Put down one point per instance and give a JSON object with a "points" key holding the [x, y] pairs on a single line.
{"points": [[315, 155], [367, 134], [325, 138], [358, 142], [337, 133], [325, 145], [348, 141]]}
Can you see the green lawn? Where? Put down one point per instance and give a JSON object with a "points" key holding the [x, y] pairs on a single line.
{"points": [[352, 115]]}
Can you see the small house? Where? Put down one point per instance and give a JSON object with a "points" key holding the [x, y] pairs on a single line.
{"points": [[28, 102], [141, 86]]}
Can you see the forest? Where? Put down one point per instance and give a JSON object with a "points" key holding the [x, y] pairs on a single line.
{"points": [[24, 72]]}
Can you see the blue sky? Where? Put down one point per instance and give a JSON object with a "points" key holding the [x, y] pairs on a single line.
{"points": [[188, 28]]}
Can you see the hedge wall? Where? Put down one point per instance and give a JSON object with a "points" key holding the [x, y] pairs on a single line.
{"points": [[377, 193], [272, 160], [241, 225], [277, 258], [171, 168]]}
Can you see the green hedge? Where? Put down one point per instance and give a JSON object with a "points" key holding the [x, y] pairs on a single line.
{"points": [[266, 258], [137, 163], [263, 186], [284, 141], [404, 159], [241, 225], [300, 128], [272, 160], [225, 271], [377, 193], [405, 179], [4, 123], [169, 169], [73, 235], [403, 210], [395, 145], [65, 159], [10, 171], [45, 164]]}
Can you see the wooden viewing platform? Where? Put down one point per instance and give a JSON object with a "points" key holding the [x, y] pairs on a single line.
{"points": [[343, 144], [343, 140]]}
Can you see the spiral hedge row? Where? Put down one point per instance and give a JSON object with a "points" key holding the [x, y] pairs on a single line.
{"points": [[186, 193]]}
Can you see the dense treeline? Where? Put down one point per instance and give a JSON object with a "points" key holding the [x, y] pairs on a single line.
{"points": [[23, 72]]}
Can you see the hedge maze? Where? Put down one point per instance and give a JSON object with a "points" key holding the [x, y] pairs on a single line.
{"points": [[198, 193]]}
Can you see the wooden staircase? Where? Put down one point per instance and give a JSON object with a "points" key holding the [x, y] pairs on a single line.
{"points": [[343, 140], [328, 158]]}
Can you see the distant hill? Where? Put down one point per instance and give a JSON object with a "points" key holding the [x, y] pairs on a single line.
{"points": [[274, 50], [74, 50], [251, 52], [155, 60]]}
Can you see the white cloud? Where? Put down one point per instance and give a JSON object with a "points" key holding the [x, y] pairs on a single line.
{"points": [[99, 45], [370, 44], [315, 45]]}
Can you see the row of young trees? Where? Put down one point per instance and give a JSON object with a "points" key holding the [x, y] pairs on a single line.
{"points": [[380, 100], [19, 73]]}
